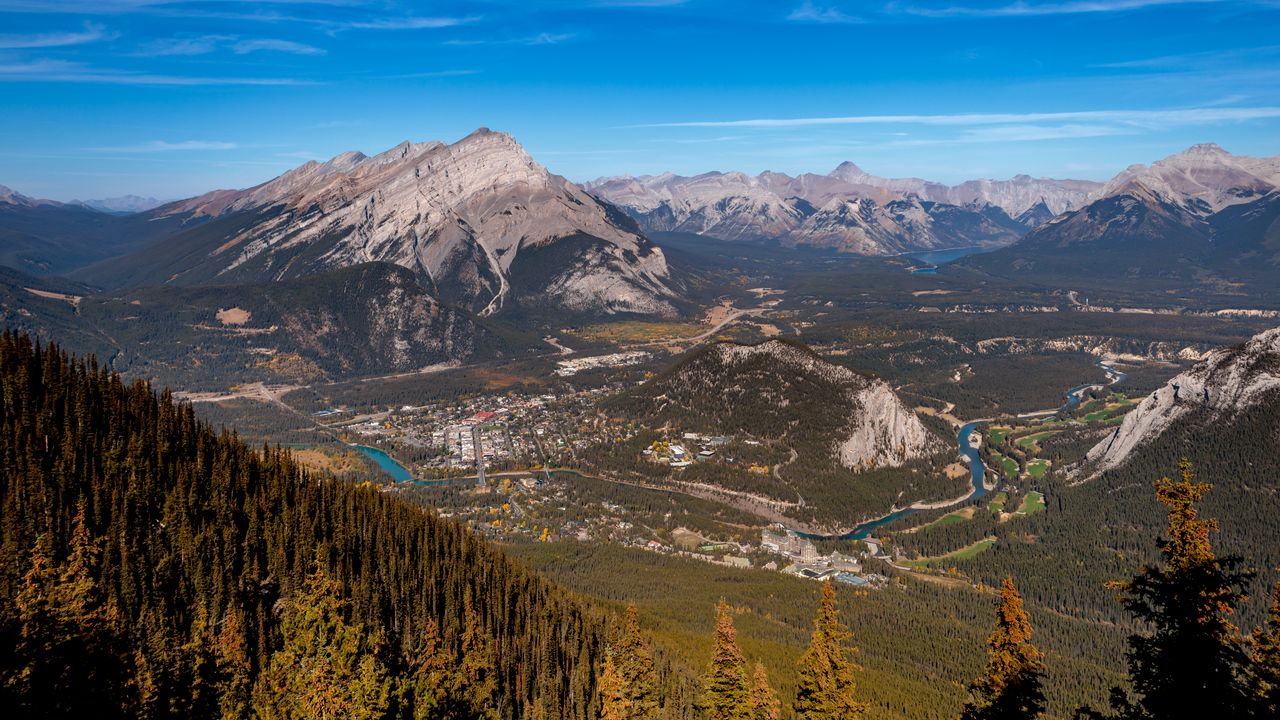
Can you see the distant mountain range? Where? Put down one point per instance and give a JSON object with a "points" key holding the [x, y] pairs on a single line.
{"points": [[848, 209], [1203, 218], [483, 227]]}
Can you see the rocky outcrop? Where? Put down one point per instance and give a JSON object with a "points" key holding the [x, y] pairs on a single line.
{"points": [[1223, 384], [788, 388], [469, 219], [884, 432]]}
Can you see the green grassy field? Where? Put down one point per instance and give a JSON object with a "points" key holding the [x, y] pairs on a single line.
{"points": [[1037, 468], [998, 435], [1033, 502], [1032, 442], [1008, 464], [997, 502], [967, 552]]}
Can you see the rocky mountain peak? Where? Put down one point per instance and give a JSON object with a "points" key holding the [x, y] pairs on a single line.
{"points": [[1223, 384], [457, 214]]}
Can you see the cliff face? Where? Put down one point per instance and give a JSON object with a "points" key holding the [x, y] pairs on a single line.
{"points": [[1224, 383], [779, 390], [479, 222]]}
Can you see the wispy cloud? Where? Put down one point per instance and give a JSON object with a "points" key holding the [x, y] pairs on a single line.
{"points": [[825, 15], [245, 47], [1025, 9], [91, 33], [409, 23], [68, 72], [539, 39], [1184, 116], [207, 44], [430, 74], [182, 46], [1029, 133], [161, 146], [1194, 59]]}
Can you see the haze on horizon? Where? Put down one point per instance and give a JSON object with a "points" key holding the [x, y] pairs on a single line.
{"points": [[171, 98]]}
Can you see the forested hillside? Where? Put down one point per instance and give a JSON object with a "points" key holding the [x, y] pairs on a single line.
{"points": [[152, 568]]}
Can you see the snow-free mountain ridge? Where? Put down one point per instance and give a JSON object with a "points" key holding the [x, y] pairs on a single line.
{"points": [[480, 222], [1223, 384]]}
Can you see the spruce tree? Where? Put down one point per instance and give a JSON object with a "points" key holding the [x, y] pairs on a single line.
{"points": [[326, 668], [635, 667], [433, 684], [479, 683], [231, 657], [612, 688], [764, 701], [1012, 686], [1265, 671], [725, 694], [826, 688], [72, 654], [1192, 661]]}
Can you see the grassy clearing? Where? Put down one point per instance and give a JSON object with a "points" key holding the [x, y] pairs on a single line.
{"points": [[1037, 468], [1007, 464], [1032, 441], [952, 518], [998, 435], [638, 331], [1033, 502], [997, 502], [967, 552]]}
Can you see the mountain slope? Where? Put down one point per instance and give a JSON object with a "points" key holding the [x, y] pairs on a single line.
{"points": [[843, 442], [43, 237], [1203, 221], [193, 544], [764, 388], [370, 319], [1222, 386], [466, 218]]}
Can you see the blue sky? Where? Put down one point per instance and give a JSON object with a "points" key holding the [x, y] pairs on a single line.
{"points": [[105, 97]]}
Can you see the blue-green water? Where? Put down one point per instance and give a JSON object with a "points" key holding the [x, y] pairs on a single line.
{"points": [[397, 471], [942, 257]]}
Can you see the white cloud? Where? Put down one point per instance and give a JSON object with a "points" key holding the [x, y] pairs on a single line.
{"points": [[1024, 9], [1153, 118], [825, 15], [68, 72], [410, 23], [539, 39], [245, 47], [157, 146], [91, 33], [1026, 133]]}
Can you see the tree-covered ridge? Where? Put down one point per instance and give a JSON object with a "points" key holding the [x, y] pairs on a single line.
{"points": [[169, 561]]}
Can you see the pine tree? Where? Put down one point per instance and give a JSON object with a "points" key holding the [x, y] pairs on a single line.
{"points": [[326, 669], [1012, 687], [1191, 663], [1265, 670], [434, 686], [477, 674], [612, 688], [826, 688], [725, 695], [764, 701], [72, 655], [232, 660], [635, 667]]}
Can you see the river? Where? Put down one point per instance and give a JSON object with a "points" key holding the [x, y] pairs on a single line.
{"points": [[398, 472], [977, 470]]}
